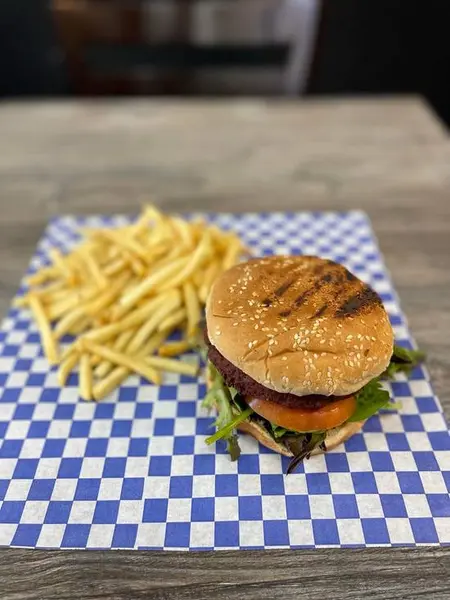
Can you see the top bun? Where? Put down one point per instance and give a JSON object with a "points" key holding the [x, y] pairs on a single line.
{"points": [[300, 324]]}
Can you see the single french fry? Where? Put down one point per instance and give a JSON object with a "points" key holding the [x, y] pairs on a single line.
{"points": [[42, 276], [173, 320], [85, 377], [171, 365], [52, 291], [80, 327], [141, 225], [21, 301], [152, 214], [109, 383], [49, 298], [154, 342], [182, 228], [115, 266], [197, 279], [58, 309], [122, 340], [154, 279], [47, 338], [69, 321], [136, 265], [107, 297], [72, 299], [103, 334], [232, 254], [97, 275], [174, 348], [196, 260], [172, 303], [193, 309], [211, 273], [133, 363], [62, 265], [67, 366]]}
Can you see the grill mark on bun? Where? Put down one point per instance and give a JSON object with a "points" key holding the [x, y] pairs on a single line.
{"points": [[358, 303], [327, 278], [320, 312], [278, 293], [284, 287], [300, 299]]}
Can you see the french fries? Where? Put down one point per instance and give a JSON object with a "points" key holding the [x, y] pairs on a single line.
{"points": [[121, 292]]}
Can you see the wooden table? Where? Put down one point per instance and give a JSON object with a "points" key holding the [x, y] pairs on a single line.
{"points": [[390, 157]]}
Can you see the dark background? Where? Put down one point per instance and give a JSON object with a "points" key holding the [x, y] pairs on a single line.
{"points": [[363, 47]]}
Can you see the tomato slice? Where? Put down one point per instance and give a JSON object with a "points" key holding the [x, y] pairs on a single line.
{"points": [[328, 416]]}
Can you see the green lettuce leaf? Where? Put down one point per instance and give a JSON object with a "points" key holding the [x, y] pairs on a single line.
{"points": [[369, 400], [372, 397]]}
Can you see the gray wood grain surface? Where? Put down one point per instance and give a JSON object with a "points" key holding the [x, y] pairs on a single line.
{"points": [[390, 157]]}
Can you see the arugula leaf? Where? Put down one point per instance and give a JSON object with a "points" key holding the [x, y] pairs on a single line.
{"points": [[227, 429], [369, 400], [403, 355], [234, 450], [302, 446], [403, 361]]}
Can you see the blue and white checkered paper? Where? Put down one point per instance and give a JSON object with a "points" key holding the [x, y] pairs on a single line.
{"points": [[134, 472]]}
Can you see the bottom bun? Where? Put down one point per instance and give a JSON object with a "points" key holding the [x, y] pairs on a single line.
{"points": [[334, 436]]}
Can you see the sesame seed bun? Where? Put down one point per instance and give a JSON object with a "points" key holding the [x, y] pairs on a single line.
{"points": [[300, 324]]}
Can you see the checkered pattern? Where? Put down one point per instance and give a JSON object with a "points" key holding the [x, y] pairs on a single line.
{"points": [[134, 472]]}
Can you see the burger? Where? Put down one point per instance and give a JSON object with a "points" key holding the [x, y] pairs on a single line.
{"points": [[296, 346]]}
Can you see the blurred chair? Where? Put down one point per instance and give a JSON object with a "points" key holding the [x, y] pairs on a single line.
{"points": [[186, 46]]}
